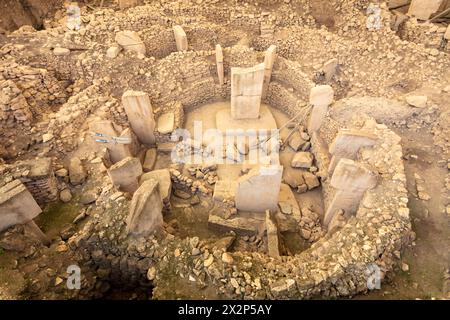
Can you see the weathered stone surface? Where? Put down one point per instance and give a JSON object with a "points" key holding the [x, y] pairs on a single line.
{"points": [[65, 195], [293, 177], [149, 160], [219, 63], [347, 144], [125, 173], [246, 91], [417, 101], [310, 180], [351, 180], [423, 9], [321, 95], [145, 214], [164, 182], [240, 225], [77, 174], [166, 123], [302, 160], [320, 98], [273, 245], [258, 190], [180, 38], [140, 114], [131, 41], [17, 205], [269, 60], [296, 142]]}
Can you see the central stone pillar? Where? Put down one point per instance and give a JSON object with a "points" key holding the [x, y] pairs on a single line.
{"points": [[246, 91], [140, 114]]}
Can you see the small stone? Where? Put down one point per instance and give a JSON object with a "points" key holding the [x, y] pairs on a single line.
{"points": [[113, 52], [227, 258], [208, 261], [405, 267], [47, 137], [61, 172], [65, 195], [58, 281], [151, 273], [424, 196], [285, 207], [417, 101], [302, 160], [195, 251]]}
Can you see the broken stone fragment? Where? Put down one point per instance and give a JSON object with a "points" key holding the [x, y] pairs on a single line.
{"points": [[302, 160], [77, 174], [296, 142], [131, 41], [447, 33], [145, 214], [417, 101]]}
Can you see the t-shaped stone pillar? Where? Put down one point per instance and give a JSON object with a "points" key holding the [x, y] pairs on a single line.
{"points": [[180, 38], [351, 179], [320, 98], [246, 91], [219, 62], [125, 174], [116, 151], [269, 60], [140, 114], [347, 144]]}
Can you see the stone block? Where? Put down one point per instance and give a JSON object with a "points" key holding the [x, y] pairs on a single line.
{"points": [[224, 190], [180, 38], [166, 123], [125, 173], [17, 205], [321, 95], [423, 9], [164, 182], [246, 91], [77, 173], [273, 242], [302, 160], [219, 63], [145, 215], [240, 225], [130, 41], [258, 190], [140, 114], [149, 160], [347, 144]]}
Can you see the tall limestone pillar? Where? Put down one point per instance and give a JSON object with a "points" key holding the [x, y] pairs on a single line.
{"points": [[140, 114], [246, 91], [351, 180], [269, 60], [219, 62], [320, 98]]}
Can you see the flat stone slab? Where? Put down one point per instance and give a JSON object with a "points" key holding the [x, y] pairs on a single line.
{"points": [[240, 225], [266, 121]]}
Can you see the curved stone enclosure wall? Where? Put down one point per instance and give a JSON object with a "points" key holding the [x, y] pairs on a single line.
{"points": [[340, 264]]}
